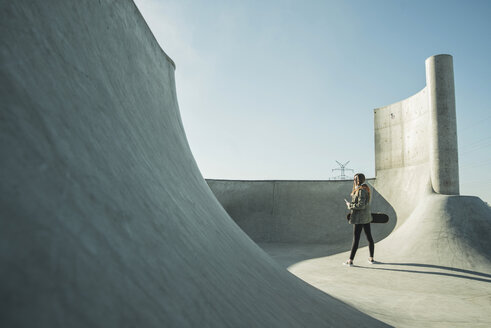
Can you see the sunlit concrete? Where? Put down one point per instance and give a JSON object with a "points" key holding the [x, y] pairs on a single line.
{"points": [[295, 211], [105, 219], [434, 263]]}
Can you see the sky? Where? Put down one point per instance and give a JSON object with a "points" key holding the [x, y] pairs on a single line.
{"points": [[281, 90]]}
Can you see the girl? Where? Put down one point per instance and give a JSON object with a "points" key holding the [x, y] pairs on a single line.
{"points": [[360, 216]]}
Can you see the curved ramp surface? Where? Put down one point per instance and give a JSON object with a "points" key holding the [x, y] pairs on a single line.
{"points": [[311, 212], [434, 268], [105, 220]]}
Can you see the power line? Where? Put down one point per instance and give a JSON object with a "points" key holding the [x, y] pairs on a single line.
{"points": [[481, 121], [475, 164], [475, 182], [477, 145]]}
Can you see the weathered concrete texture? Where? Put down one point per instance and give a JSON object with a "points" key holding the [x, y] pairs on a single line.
{"points": [[404, 188], [434, 268], [443, 125], [105, 220], [402, 133], [422, 129], [432, 271], [444, 230], [295, 211]]}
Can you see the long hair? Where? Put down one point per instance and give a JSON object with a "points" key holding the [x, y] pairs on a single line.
{"points": [[361, 179]]}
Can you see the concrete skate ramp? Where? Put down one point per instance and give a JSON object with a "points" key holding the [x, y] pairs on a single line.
{"points": [[444, 230], [311, 212], [416, 161], [105, 220], [434, 268], [416, 184]]}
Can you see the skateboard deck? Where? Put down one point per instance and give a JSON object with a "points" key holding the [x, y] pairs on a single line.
{"points": [[376, 217], [380, 218]]}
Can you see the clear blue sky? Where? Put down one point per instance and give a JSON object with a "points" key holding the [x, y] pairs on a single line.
{"points": [[282, 89]]}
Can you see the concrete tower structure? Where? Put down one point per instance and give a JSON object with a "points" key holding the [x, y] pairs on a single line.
{"points": [[106, 220], [417, 137], [444, 157], [433, 232], [415, 155]]}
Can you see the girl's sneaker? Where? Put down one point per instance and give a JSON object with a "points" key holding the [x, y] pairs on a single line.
{"points": [[372, 261], [348, 263]]}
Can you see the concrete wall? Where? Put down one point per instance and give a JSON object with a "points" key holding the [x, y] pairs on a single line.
{"points": [[105, 219], [402, 148], [295, 211], [415, 155], [402, 133], [421, 130], [443, 125]]}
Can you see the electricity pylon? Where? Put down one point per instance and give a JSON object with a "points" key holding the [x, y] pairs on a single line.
{"points": [[342, 168]]}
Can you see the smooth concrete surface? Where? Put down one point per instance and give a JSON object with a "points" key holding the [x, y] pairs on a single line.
{"points": [[422, 129], [433, 271], [105, 220], [295, 211], [402, 133], [434, 267], [443, 125]]}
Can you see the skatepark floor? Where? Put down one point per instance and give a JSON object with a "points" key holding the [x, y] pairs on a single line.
{"points": [[399, 293]]}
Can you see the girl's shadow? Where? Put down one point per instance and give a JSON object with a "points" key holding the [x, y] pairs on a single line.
{"points": [[485, 277]]}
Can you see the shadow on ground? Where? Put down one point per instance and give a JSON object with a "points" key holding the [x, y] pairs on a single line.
{"points": [[288, 254], [430, 266]]}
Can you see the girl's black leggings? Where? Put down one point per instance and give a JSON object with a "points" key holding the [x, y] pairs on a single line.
{"points": [[356, 239]]}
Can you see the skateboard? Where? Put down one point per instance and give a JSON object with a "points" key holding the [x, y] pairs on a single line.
{"points": [[376, 217], [380, 218]]}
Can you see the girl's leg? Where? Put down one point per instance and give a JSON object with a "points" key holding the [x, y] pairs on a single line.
{"points": [[368, 233], [356, 240]]}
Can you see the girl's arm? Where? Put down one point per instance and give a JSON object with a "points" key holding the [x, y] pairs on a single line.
{"points": [[361, 200]]}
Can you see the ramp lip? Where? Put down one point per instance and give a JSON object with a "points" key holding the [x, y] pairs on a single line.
{"points": [[283, 180], [400, 101], [153, 35]]}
